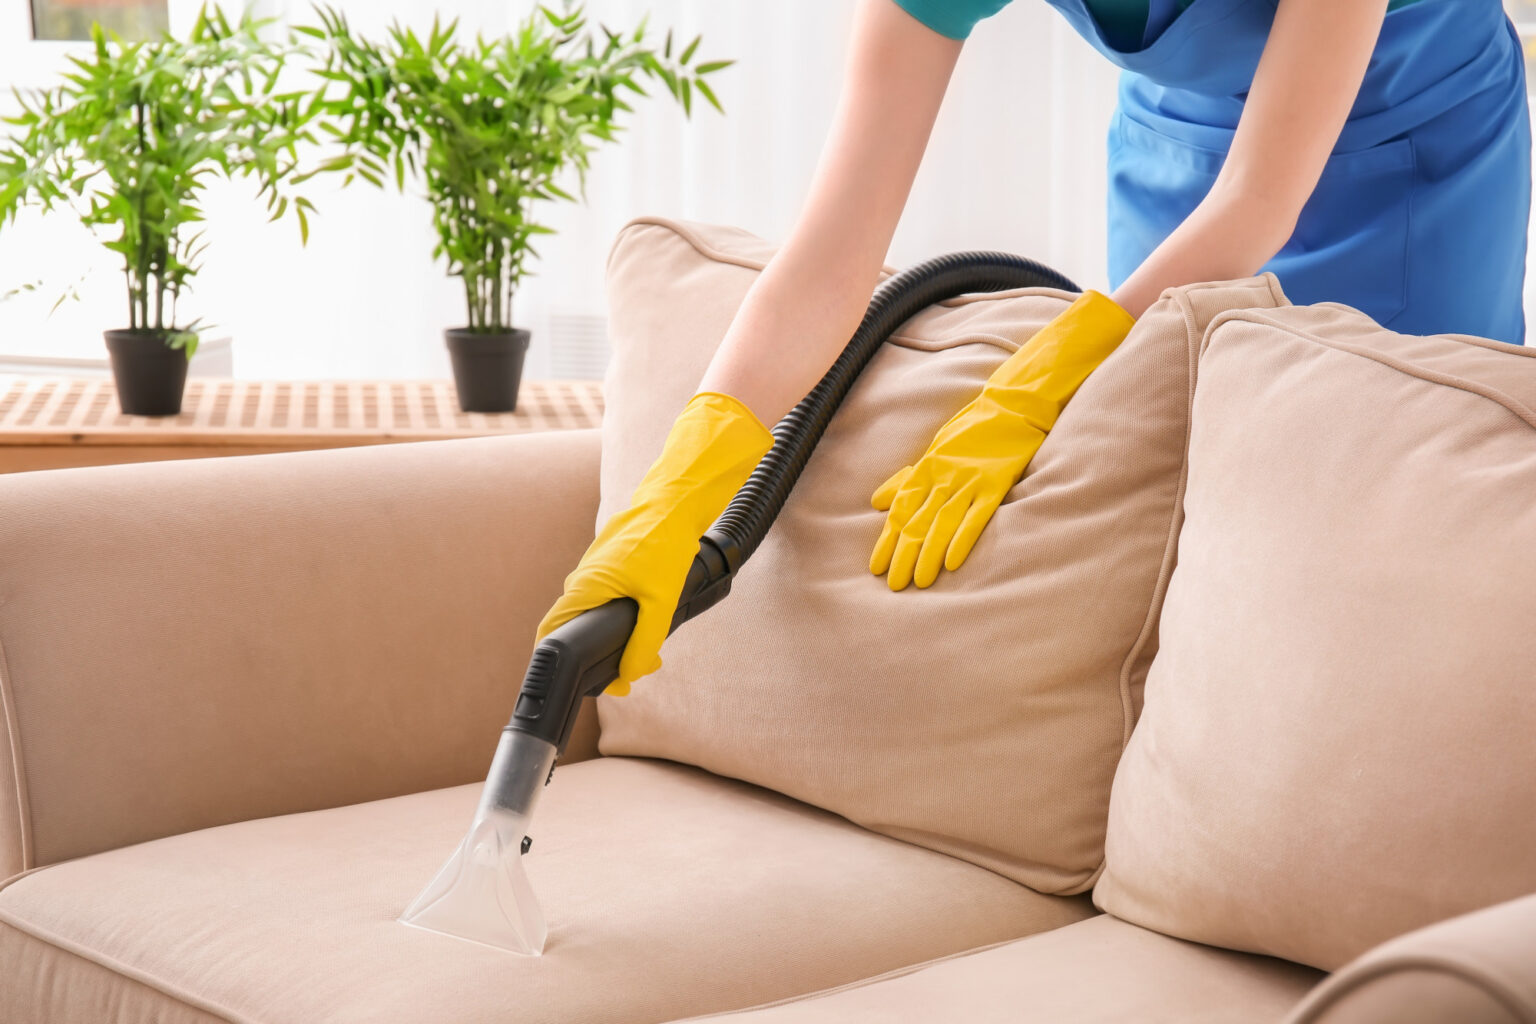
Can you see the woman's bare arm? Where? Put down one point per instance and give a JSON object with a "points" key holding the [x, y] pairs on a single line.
{"points": [[810, 298], [1306, 82]]}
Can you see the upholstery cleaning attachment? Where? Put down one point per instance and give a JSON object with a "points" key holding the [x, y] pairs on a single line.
{"points": [[482, 893]]}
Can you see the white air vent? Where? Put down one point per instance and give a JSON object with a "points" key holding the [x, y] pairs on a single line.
{"points": [[578, 346]]}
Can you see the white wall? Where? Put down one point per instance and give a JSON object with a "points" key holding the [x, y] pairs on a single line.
{"points": [[1016, 163]]}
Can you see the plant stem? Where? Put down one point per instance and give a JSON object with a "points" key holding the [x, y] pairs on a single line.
{"points": [[141, 239], [160, 300], [469, 300]]}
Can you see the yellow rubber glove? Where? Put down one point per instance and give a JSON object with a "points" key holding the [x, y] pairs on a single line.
{"points": [[645, 550], [938, 506]]}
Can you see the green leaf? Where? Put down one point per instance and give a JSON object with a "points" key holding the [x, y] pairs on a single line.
{"points": [[707, 93]]}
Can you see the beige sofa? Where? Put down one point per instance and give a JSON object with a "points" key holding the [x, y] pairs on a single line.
{"points": [[247, 703]]}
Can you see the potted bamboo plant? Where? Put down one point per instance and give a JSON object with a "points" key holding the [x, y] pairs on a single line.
{"points": [[490, 126], [129, 140]]}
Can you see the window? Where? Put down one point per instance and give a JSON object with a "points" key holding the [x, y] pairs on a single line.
{"points": [[1523, 14], [71, 19]]}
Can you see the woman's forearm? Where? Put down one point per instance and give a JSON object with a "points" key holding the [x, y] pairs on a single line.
{"points": [[1231, 234], [793, 323], [807, 302]]}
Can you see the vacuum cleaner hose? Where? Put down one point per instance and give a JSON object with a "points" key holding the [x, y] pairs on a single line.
{"points": [[482, 892], [581, 657]]}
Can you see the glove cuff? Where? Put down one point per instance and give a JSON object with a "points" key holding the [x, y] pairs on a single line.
{"points": [[712, 448], [721, 404], [1038, 380]]}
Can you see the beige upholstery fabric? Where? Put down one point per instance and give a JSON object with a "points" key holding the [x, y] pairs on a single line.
{"points": [[1479, 968], [1102, 971], [185, 644], [983, 716], [1418, 997], [1336, 747], [669, 892]]}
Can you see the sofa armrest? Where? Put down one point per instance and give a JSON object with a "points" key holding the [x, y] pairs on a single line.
{"points": [[1479, 968], [187, 644]]}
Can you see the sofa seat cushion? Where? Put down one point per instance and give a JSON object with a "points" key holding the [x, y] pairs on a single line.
{"points": [[669, 893], [1100, 971]]}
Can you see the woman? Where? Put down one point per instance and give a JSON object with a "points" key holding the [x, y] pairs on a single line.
{"points": [[1367, 152]]}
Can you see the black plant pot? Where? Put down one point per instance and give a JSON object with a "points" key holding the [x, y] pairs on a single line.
{"points": [[150, 375], [487, 367]]}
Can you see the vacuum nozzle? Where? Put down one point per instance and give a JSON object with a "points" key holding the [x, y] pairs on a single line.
{"points": [[482, 893]]}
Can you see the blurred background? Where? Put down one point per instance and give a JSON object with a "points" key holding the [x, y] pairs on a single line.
{"points": [[1016, 163]]}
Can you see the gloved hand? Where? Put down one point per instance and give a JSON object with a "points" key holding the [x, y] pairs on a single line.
{"points": [[938, 506], [645, 550]]}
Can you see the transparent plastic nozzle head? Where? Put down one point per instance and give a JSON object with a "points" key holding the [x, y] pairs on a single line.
{"points": [[482, 893]]}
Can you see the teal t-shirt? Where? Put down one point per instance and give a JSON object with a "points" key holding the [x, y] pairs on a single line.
{"points": [[1124, 21]]}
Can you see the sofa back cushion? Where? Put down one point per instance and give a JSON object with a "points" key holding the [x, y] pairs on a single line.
{"points": [[1337, 741], [982, 716]]}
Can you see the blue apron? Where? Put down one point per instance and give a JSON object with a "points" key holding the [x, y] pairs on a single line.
{"points": [[1420, 216]]}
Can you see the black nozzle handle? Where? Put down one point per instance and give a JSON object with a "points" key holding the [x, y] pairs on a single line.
{"points": [[580, 658]]}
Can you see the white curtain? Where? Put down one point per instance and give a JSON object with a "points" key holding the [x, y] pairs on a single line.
{"points": [[1016, 163]]}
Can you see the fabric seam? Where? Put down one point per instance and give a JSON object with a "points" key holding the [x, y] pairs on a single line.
{"points": [[1192, 336], [18, 763], [123, 970], [1477, 977], [1525, 413], [893, 973], [7, 883], [1170, 543], [703, 248]]}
